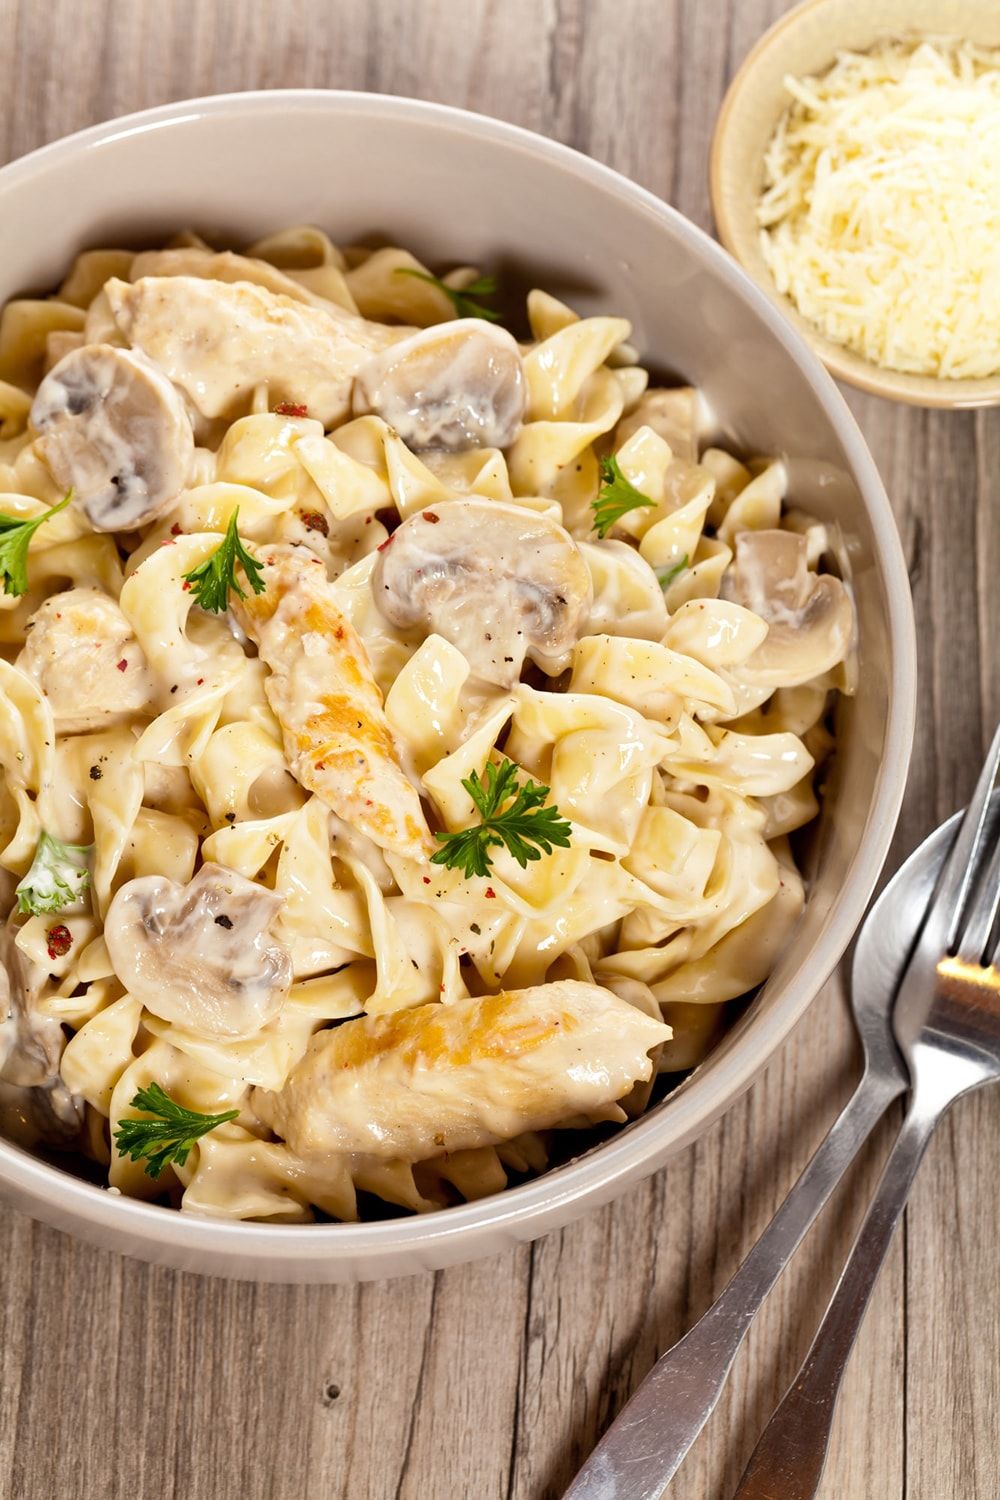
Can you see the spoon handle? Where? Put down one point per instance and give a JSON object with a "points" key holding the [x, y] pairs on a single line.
{"points": [[788, 1460], [644, 1447]]}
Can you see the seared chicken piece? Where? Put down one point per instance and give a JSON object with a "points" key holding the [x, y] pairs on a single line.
{"points": [[200, 954], [496, 581], [457, 385], [337, 739], [416, 1083], [223, 265], [218, 340], [115, 429], [83, 654]]}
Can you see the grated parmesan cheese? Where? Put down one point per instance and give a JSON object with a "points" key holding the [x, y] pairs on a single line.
{"points": [[880, 216]]}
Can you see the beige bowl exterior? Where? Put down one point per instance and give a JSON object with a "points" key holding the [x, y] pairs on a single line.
{"points": [[456, 188], [806, 41]]}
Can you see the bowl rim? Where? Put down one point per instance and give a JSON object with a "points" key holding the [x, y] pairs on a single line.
{"points": [[843, 363], [526, 1210]]}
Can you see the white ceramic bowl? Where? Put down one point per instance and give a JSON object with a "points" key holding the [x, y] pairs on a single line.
{"points": [[458, 187]]}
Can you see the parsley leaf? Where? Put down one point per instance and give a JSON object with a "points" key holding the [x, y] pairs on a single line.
{"points": [[521, 826], [616, 497], [167, 1138], [462, 299], [58, 876], [212, 580], [666, 576], [15, 537]]}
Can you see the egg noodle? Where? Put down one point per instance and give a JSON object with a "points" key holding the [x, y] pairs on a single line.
{"points": [[267, 916]]}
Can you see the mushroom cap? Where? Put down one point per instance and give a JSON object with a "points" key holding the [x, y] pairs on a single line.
{"points": [[456, 385], [497, 581], [83, 654], [810, 616], [200, 955], [115, 429]]}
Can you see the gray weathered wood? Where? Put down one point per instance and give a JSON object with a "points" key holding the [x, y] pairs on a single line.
{"points": [[118, 1380]]}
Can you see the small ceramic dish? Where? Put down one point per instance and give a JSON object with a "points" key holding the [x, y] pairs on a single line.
{"points": [[806, 41]]}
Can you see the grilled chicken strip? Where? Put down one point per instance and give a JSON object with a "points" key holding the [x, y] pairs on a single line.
{"points": [[414, 1083], [337, 740], [219, 340]]}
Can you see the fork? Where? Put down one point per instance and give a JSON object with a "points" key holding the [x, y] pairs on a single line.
{"points": [[946, 1021], [646, 1444]]}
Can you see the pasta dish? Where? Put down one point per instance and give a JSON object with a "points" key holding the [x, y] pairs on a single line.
{"points": [[402, 727]]}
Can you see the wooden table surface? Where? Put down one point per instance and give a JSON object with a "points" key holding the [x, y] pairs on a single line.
{"points": [[494, 1380]]}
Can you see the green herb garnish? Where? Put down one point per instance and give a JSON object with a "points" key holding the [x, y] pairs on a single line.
{"points": [[15, 536], [212, 580], [58, 876], [168, 1138], [666, 576], [616, 497], [462, 300], [520, 826]]}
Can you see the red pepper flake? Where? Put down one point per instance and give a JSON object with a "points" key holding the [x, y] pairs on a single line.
{"points": [[321, 765], [122, 665], [427, 880], [491, 894], [175, 529], [185, 586], [430, 515], [291, 409], [199, 682], [382, 545], [313, 521], [59, 941]]}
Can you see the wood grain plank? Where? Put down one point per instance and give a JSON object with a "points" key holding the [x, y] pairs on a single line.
{"points": [[953, 1311], [126, 1381]]}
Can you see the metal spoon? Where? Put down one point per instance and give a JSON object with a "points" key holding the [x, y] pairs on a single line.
{"points": [[946, 1019], [645, 1445]]}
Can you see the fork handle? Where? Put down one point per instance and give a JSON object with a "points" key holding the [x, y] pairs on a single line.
{"points": [[788, 1460], [644, 1447]]}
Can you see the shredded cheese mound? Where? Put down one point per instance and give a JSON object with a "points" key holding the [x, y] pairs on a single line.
{"points": [[880, 215]]}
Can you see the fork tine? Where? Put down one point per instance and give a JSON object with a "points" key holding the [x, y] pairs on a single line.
{"points": [[981, 912], [962, 867]]}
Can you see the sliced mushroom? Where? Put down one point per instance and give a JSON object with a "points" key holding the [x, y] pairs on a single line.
{"points": [[678, 415], [497, 581], [456, 385], [114, 428], [200, 955], [415, 1083], [83, 654], [219, 340], [324, 695], [30, 1045], [35, 1104], [810, 616]]}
